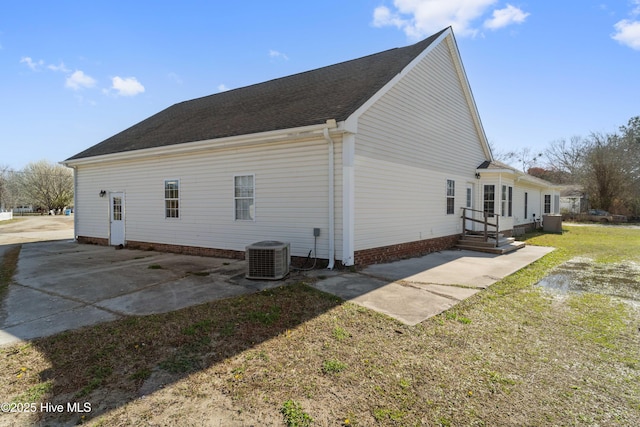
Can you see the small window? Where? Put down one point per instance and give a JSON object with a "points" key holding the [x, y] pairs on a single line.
{"points": [[526, 204], [171, 198], [507, 201], [547, 203], [489, 199], [244, 190], [117, 209], [451, 196]]}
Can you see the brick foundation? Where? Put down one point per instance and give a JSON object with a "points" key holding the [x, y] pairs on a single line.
{"points": [[93, 240], [404, 250], [186, 250], [362, 258]]}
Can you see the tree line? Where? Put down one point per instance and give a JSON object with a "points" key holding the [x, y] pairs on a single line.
{"points": [[606, 166], [45, 186]]}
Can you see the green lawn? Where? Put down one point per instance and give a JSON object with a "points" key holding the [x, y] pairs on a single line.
{"points": [[511, 355]]}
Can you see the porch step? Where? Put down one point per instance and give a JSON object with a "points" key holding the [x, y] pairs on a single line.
{"points": [[477, 243]]}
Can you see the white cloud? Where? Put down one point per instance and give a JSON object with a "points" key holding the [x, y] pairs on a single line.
{"points": [[129, 86], [176, 78], [628, 33], [504, 17], [60, 67], [79, 80], [222, 87], [420, 18], [34, 65], [278, 55]]}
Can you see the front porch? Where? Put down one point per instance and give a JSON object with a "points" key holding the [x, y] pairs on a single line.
{"points": [[489, 239]]}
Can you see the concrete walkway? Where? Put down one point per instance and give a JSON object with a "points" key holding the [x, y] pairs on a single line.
{"points": [[415, 289], [63, 285]]}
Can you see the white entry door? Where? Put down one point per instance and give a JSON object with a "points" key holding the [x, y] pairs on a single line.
{"points": [[116, 219], [469, 225]]}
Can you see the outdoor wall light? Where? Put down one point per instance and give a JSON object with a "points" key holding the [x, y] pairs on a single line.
{"points": [[102, 193], [477, 175]]}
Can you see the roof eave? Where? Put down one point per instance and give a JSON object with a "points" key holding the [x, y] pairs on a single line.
{"points": [[261, 138]]}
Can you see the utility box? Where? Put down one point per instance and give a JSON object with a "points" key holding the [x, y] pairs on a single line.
{"points": [[552, 223]]}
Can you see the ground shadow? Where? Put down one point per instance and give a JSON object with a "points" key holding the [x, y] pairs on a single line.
{"points": [[99, 368]]}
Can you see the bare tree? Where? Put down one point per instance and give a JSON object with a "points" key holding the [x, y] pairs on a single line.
{"points": [[4, 186], [46, 184], [525, 158], [567, 156]]}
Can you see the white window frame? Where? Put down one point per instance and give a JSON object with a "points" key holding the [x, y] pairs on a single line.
{"points": [[450, 191], [506, 205], [236, 198], [546, 206], [486, 201], [168, 199]]}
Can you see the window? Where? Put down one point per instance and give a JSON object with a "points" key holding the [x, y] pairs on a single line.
{"points": [[507, 201], [503, 200], [171, 198], [489, 199], [117, 209], [451, 196], [526, 204], [547, 203], [244, 197]]}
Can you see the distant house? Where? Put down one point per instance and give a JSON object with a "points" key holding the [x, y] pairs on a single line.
{"points": [[573, 200], [379, 153]]}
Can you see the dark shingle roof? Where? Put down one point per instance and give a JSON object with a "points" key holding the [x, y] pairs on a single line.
{"points": [[308, 98]]}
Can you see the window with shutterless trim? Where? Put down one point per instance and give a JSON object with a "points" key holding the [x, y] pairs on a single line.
{"points": [[451, 196], [489, 199], [172, 198], [547, 203], [244, 197]]}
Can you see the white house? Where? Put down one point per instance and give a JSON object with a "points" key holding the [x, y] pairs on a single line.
{"points": [[379, 153]]}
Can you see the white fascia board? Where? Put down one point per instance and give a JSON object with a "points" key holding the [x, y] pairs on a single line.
{"points": [[351, 124], [261, 138]]}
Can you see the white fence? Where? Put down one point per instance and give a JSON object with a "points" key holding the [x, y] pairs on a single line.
{"points": [[6, 215]]}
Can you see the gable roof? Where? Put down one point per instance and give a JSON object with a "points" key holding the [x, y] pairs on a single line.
{"points": [[308, 98], [496, 166]]}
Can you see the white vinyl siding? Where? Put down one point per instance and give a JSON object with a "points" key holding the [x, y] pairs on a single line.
{"points": [[416, 136], [292, 185]]}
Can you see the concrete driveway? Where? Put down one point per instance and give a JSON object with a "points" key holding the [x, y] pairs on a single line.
{"points": [[62, 285]]}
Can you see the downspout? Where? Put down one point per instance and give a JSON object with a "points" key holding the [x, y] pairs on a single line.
{"points": [[332, 249], [75, 203]]}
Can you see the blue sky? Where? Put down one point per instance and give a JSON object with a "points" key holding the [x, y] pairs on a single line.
{"points": [[73, 73]]}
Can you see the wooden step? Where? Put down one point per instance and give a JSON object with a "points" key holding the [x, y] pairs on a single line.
{"points": [[502, 249]]}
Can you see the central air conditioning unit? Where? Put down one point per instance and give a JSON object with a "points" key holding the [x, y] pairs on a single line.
{"points": [[268, 260]]}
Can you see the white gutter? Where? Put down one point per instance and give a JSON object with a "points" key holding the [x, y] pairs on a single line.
{"points": [[332, 249]]}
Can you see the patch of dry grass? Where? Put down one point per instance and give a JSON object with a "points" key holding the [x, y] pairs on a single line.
{"points": [[510, 355], [8, 265]]}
